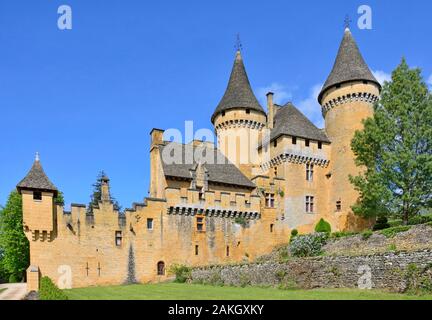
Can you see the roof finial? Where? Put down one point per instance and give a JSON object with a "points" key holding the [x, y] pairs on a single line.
{"points": [[238, 45], [347, 22], [37, 158]]}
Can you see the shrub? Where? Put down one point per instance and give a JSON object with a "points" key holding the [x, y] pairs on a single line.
{"points": [[323, 227], [395, 223], [416, 220], [182, 272], [49, 291], [13, 278], [308, 245], [241, 221], [338, 235], [392, 232], [381, 224], [367, 234], [294, 233], [418, 280]]}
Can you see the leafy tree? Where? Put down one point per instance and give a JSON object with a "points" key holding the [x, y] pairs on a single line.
{"points": [[13, 242], [60, 199], [96, 197], [395, 148]]}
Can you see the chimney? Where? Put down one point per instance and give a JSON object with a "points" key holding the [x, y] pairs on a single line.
{"points": [[156, 180], [105, 189], [270, 110]]}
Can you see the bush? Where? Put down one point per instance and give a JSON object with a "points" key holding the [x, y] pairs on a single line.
{"points": [[395, 223], [392, 232], [381, 224], [338, 235], [49, 291], [367, 234], [182, 273], [419, 280], [308, 245], [416, 220], [323, 227], [294, 233], [13, 278]]}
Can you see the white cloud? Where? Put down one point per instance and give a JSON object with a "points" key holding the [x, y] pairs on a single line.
{"points": [[311, 108], [282, 93], [382, 76]]}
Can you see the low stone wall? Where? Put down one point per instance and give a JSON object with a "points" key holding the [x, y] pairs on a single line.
{"points": [[387, 271]]}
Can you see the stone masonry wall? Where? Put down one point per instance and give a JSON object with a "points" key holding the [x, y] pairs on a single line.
{"points": [[388, 272]]}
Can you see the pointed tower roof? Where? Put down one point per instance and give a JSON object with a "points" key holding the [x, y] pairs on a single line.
{"points": [[349, 65], [36, 179], [239, 93]]}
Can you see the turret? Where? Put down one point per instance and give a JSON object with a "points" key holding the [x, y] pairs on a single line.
{"points": [[39, 212], [347, 98], [239, 120]]}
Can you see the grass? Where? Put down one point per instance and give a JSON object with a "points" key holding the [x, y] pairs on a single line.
{"points": [[1, 290], [175, 291]]}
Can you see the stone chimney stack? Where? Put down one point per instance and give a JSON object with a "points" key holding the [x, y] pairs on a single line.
{"points": [[105, 189], [156, 178], [270, 108]]}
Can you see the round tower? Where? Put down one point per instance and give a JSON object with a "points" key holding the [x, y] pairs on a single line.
{"points": [[347, 98], [239, 120]]}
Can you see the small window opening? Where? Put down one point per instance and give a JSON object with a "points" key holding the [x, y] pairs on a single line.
{"points": [[37, 195], [118, 238]]}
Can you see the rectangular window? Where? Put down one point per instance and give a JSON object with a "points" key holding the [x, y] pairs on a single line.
{"points": [[247, 111], [118, 238], [294, 140], [200, 224], [150, 224], [227, 251], [275, 143], [271, 228], [275, 171], [309, 172], [319, 145], [270, 200], [310, 204], [37, 195], [307, 143], [339, 206], [196, 250]]}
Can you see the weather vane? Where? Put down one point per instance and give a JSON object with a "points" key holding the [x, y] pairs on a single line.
{"points": [[238, 45], [347, 21]]}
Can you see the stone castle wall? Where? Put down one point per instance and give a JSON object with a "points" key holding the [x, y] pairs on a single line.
{"points": [[387, 271]]}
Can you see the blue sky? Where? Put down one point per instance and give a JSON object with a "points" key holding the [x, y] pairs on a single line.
{"points": [[87, 98]]}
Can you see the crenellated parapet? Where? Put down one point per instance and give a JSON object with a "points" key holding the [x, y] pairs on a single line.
{"points": [[349, 98], [239, 123], [296, 158], [215, 204]]}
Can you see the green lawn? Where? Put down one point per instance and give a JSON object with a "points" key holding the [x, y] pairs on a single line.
{"points": [[1, 290], [174, 291]]}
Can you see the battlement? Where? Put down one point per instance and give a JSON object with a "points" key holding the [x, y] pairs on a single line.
{"points": [[183, 201]]}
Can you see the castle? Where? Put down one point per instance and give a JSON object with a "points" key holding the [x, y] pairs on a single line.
{"points": [[270, 173]]}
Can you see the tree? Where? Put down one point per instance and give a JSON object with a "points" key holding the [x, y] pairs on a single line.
{"points": [[13, 242], [395, 150], [96, 197]]}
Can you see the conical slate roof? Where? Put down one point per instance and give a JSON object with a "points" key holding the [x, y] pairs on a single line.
{"points": [[349, 65], [36, 179], [239, 93]]}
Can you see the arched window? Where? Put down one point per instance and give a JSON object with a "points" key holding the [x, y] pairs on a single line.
{"points": [[161, 268]]}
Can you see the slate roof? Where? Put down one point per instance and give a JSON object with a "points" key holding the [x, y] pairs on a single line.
{"points": [[349, 65], [219, 168], [290, 121], [36, 179], [239, 93]]}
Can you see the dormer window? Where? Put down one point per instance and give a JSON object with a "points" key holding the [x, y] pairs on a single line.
{"points": [[37, 195], [294, 140], [223, 113], [247, 111], [319, 145], [307, 143]]}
